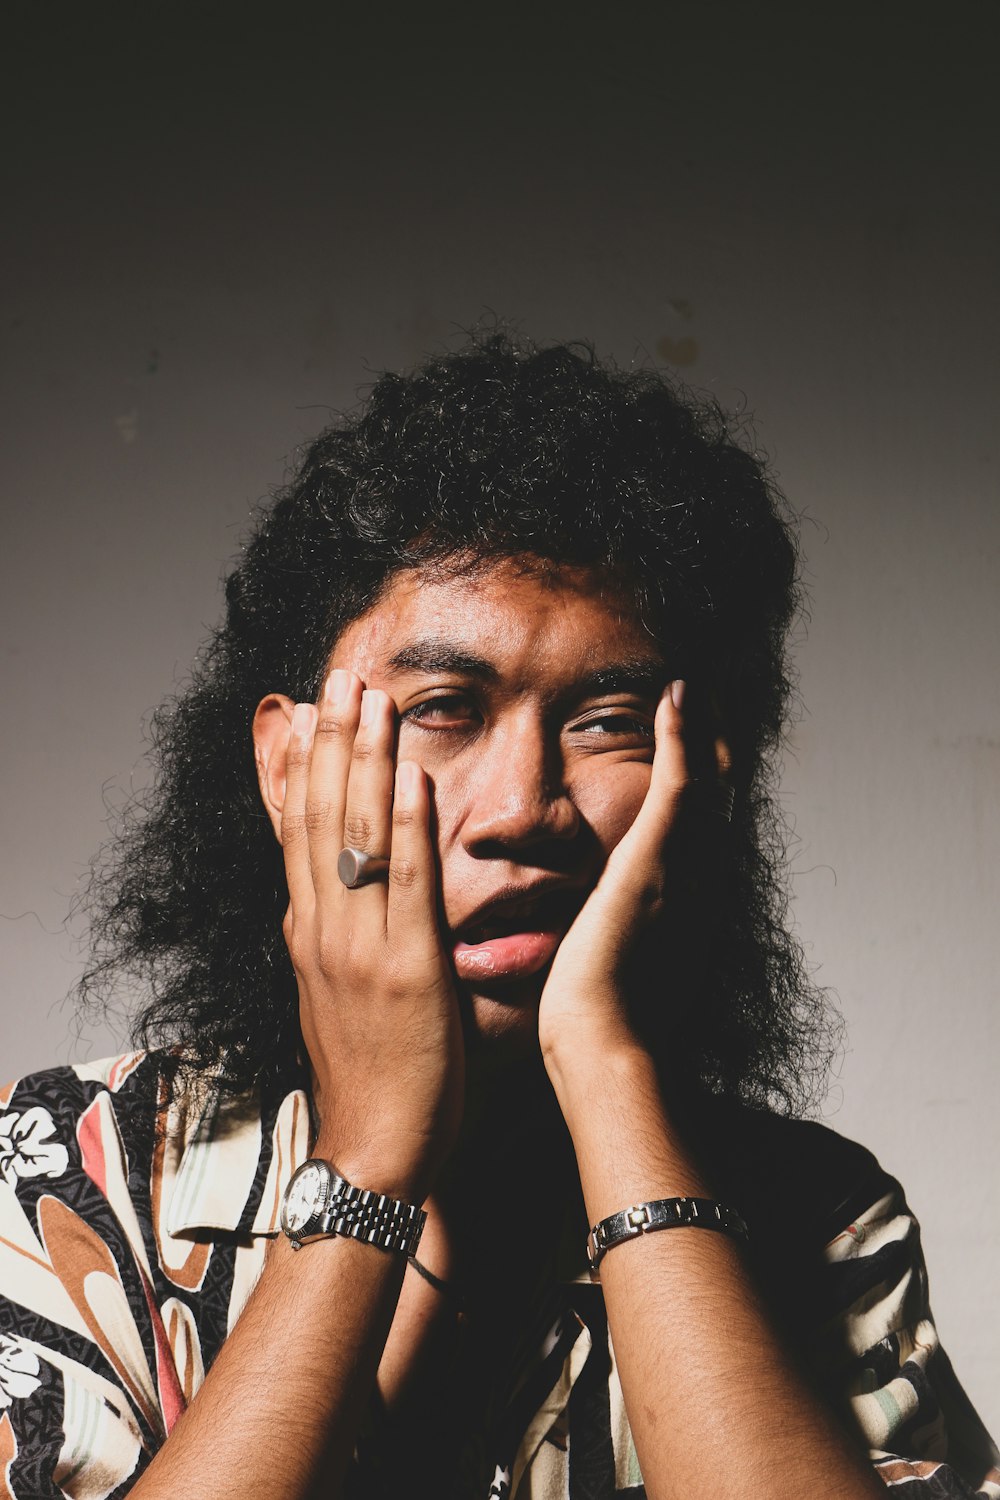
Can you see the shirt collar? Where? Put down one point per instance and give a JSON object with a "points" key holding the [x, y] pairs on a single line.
{"points": [[235, 1163], [236, 1159]]}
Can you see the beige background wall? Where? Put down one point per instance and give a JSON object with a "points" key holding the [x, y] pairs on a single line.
{"points": [[215, 236]]}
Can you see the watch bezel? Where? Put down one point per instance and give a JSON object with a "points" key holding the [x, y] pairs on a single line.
{"points": [[320, 1202], [337, 1207]]}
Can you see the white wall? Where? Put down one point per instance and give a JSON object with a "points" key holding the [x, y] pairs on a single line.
{"points": [[219, 235]]}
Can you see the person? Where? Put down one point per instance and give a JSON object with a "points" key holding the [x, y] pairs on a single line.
{"points": [[463, 1153]]}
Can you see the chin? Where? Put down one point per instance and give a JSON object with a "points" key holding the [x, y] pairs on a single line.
{"points": [[502, 1026]]}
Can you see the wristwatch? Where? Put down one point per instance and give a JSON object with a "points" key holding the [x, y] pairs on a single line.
{"points": [[319, 1202]]}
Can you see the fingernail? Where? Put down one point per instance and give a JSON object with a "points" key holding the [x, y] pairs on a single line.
{"points": [[406, 776], [368, 707], [336, 685], [302, 718], [677, 690]]}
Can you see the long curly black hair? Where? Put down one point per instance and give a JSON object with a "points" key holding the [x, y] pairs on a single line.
{"points": [[499, 449]]}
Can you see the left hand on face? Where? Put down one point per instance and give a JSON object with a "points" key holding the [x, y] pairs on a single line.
{"points": [[583, 1011]]}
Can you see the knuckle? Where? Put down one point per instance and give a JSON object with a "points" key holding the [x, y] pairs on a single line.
{"points": [[329, 952], [358, 831], [296, 950], [673, 793], [696, 794], [318, 815], [330, 727], [651, 899], [655, 898], [404, 874], [403, 817], [293, 828], [394, 983], [364, 750]]}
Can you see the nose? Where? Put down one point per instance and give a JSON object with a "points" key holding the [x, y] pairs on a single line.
{"points": [[519, 799]]}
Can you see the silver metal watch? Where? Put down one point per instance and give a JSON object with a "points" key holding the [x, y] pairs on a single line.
{"points": [[319, 1202]]}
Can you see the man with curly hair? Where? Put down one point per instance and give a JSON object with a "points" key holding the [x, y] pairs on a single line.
{"points": [[460, 904]]}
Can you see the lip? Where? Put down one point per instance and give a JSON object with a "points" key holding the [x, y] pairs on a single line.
{"points": [[533, 921], [515, 956], [544, 899]]}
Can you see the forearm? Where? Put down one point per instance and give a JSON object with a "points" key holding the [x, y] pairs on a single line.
{"points": [[286, 1395], [382, 1030], [715, 1402]]}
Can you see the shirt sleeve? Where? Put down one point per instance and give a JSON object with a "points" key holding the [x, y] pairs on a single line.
{"points": [[81, 1409], [902, 1395]]}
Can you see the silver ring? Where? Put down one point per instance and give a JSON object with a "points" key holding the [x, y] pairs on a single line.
{"points": [[726, 800], [356, 868], [715, 796]]}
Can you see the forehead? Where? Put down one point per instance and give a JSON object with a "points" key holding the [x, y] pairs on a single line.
{"points": [[506, 612]]}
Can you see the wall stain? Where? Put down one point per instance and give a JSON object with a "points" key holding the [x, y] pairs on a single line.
{"points": [[128, 426], [677, 351], [683, 349]]}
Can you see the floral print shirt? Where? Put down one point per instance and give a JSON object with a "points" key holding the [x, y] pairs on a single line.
{"points": [[130, 1241]]}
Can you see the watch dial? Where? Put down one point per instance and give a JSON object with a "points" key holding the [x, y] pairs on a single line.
{"points": [[304, 1197]]}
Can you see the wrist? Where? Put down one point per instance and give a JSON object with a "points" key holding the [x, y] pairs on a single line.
{"points": [[379, 1170], [605, 1067], [628, 1147], [319, 1203]]}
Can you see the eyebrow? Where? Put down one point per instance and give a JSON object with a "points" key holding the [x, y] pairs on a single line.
{"points": [[440, 656], [643, 676]]}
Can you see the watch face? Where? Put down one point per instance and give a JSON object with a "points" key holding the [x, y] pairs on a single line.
{"points": [[304, 1198]]}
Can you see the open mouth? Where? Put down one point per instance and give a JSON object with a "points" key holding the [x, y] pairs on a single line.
{"points": [[517, 938]]}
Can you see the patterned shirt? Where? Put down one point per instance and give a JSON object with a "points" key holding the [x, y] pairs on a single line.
{"points": [[129, 1243]]}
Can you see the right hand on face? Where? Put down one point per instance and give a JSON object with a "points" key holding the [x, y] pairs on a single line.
{"points": [[377, 1004]]}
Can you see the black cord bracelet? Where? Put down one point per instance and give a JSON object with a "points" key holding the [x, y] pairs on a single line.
{"points": [[445, 1288]]}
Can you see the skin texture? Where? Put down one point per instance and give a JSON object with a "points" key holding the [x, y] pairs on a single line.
{"points": [[516, 771], [535, 776]]}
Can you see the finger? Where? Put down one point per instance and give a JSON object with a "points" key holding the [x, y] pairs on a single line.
{"points": [[710, 764], [693, 763], [671, 772], [723, 758], [294, 832], [641, 850], [696, 765], [326, 797], [412, 913], [719, 750], [368, 812], [671, 764]]}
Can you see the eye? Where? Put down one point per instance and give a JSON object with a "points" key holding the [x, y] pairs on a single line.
{"points": [[445, 711], [615, 724]]}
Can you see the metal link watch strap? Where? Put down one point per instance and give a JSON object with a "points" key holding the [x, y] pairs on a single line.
{"points": [[663, 1213], [365, 1215]]}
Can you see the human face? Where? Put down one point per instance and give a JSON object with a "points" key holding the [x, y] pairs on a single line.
{"points": [[528, 697]]}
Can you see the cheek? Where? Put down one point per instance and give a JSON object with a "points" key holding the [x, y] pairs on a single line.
{"points": [[450, 789], [609, 798]]}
